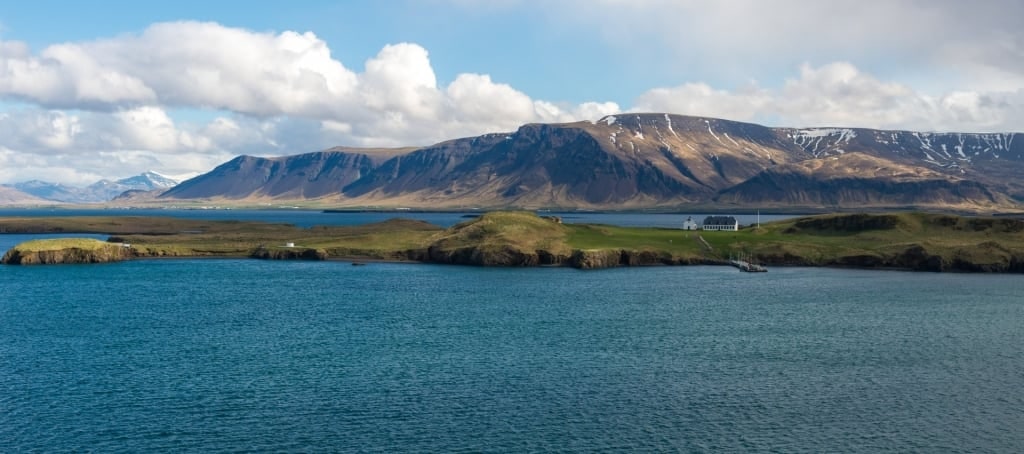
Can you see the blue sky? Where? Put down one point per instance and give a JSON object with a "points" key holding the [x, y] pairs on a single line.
{"points": [[517, 45], [111, 89]]}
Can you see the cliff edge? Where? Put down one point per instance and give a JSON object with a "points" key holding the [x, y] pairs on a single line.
{"points": [[65, 251]]}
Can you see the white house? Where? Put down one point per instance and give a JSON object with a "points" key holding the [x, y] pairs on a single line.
{"points": [[690, 224], [721, 223]]}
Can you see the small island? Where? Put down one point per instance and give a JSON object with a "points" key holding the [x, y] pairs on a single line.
{"points": [[905, 240], [65, 250]]}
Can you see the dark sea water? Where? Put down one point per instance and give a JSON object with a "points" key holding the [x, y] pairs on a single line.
{"points": [[246, 355], [307, 218]]}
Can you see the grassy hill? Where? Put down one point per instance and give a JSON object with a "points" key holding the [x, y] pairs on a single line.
{"points": [[916, 241], [65, 250]]}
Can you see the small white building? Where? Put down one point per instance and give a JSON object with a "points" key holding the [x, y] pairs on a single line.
{"points": [[289, 244], [727, 223], [690, 224]]}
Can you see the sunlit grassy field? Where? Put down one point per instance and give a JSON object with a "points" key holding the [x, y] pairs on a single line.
{"points": [[826, 239]]}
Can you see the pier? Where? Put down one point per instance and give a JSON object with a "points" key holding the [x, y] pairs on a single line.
{"points": [[748, 267]]}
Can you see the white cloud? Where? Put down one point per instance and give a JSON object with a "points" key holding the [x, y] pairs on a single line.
{"points": [[839, 94], [106, 107], [40, 131], [209, 66], [400, 79], [81, 147], [750, 36], [182, 64], [475, 98], [284, 91], [595, 110], [700, 99]]}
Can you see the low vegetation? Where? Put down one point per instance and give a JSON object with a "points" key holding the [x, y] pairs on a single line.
{"points": [[57, 244], [915, 241], [920, 241], [65, 250]]}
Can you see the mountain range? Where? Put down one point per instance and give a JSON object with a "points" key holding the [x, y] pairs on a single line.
{"points": [[10, 196], [100, 191], [633, 161]]}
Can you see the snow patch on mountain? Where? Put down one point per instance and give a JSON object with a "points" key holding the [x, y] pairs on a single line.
{"points": [[668, 119], [820, 141], [100, 191], [713, 132]]}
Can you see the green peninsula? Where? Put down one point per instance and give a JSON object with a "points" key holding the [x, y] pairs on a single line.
{"points": [[910, 241]]}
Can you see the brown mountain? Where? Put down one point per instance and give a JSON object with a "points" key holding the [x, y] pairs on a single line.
{"points": [[859, 180], [10, 196], [305, 176], [644, 160]]}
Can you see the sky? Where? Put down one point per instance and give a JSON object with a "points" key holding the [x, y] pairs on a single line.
{"points": [[109, 89]]}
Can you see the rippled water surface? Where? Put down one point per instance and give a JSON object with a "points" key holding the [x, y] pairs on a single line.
{"points": [[307, 218], [243, 355]]}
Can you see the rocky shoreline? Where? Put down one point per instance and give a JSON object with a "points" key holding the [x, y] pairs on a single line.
{"points": [[106, 254], [914, 258], [907, 241]]}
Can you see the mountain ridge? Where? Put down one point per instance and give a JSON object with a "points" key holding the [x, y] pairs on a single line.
{"points": [[13, 197], [648, 160], [101, 191]]}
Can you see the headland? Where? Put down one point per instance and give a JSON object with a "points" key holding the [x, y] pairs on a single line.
{"points": [[905, 241]]}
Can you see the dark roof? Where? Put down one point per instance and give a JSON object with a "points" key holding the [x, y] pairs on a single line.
{"points": [[719, 220]]}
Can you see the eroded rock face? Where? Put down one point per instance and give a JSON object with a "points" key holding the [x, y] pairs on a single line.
{"points": [[610, 258], [594, 259], [289, 254], [918, 258], [112, 253], [490, 256]]}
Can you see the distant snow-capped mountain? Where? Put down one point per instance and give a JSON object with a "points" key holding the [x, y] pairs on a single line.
{"points": [[48, 191], [100, 191], [12, 196], [149, 181]]}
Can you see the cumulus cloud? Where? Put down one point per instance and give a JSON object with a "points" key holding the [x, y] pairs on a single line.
{"points": [[82, 147], [207, 65], [839, 94], [182, 64], [703, 100], [744, 36], [107, 107], [400, 79], [281, 93]]}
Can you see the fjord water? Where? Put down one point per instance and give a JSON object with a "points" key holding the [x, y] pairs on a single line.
{"points": [[308, 218], [246, 355]]}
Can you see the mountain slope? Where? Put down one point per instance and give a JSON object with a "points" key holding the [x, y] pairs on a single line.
{"points": [[644, 160], [858, 180], [148, 181], [305, 176], [629, 161], [54, 192], [10, 196], [100, 191]]}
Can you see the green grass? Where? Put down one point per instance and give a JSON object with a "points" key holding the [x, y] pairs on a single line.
{"points": [[810, 240], [56, 244], [943, 235], [512, 229], [584, 236], [379, 239]]}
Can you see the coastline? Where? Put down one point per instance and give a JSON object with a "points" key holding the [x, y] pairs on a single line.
{"points": [[365, 260], [886, 241]]}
